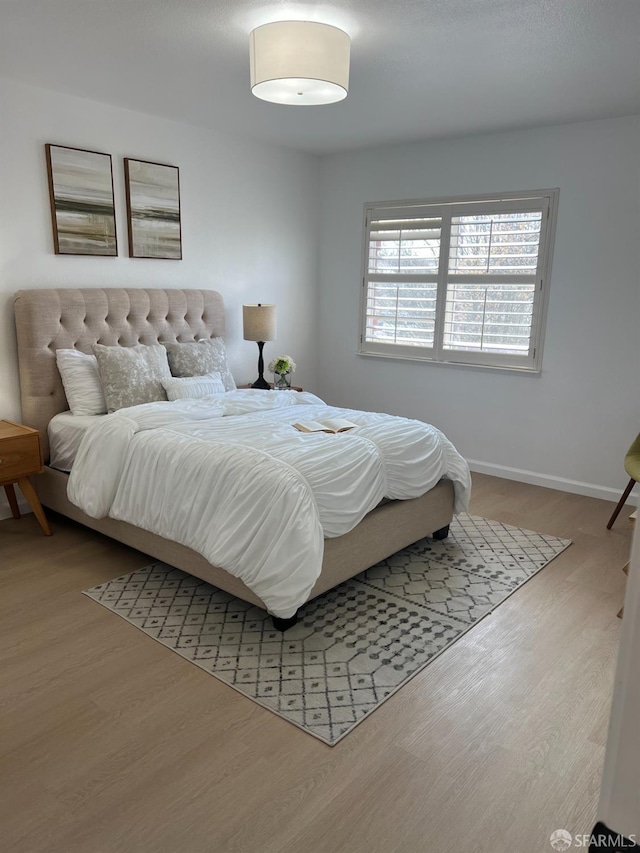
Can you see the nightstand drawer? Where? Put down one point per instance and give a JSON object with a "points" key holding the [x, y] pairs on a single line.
{"points": [[19, 456]]}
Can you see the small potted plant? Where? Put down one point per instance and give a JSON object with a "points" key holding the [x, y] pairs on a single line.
{"points": [[282, 366]]}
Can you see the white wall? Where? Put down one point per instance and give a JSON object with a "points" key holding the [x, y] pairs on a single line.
{"points": [[570, 426], [249, 220]]}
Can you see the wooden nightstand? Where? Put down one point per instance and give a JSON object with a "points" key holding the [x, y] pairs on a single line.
{"points": [[20, 456]]}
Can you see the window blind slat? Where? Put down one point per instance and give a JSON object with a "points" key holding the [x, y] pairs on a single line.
{"points": [[397, 224], [483, 243], [404, 245], [401, 311]]}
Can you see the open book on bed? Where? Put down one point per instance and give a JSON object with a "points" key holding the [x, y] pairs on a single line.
{"points": [[332, 425]]}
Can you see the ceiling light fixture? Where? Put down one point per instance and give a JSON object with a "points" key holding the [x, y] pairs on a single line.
{"points": [[299, 62]]}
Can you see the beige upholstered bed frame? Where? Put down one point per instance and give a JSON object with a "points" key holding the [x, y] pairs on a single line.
{"points": [[47, 320]]}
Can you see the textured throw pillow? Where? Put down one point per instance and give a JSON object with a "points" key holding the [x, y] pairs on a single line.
{"points": [[194, 387], [132, 375], [81, 381], [200, 357]]}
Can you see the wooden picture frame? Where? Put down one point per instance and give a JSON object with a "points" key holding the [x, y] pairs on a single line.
{"points": [[83, 214], [154, 221]]}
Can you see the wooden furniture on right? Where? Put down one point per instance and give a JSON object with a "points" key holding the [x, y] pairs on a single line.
{"points": [[20, 456], [625, 568]]}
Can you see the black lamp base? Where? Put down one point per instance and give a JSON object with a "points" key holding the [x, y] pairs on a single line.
{"points": [[261, 382]]}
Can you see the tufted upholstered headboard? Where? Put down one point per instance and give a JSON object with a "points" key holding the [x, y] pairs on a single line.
{"points": [[47, 320]]}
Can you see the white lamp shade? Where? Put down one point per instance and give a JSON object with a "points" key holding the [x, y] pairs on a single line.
{"points": [[259, 322], [300, 62]]}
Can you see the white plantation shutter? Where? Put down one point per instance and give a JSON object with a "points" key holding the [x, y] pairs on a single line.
{"points": [[458, 281], [491, 282], [402, 275]]}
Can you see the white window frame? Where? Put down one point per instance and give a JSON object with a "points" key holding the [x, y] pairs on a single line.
{"points": [[547, 200]]}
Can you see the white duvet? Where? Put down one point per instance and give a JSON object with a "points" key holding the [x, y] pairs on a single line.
{"points": [[231, 478]]}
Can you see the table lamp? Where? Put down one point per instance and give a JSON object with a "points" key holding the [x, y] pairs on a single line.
{"points": [[259, 324]]}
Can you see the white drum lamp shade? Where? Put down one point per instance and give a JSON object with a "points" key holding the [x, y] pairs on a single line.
{"points": [[259, 322], [300, 62]]}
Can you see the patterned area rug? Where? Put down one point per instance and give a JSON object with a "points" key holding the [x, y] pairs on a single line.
{"points": [[353, 646]]}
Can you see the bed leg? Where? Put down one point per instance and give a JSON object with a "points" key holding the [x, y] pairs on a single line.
{"points": [[442, 533], [284, 624]]}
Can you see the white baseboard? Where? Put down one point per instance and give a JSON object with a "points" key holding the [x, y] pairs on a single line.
{"points": [[562, 484]]}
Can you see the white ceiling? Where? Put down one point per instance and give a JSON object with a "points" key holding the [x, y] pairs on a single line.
{"points": [[419, 68]]}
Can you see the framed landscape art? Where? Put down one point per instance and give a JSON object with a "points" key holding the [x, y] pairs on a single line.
{"points": [[82, 208], [153, 209]]}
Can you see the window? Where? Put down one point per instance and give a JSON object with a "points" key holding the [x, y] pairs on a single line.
{"points": [[462, 281]]}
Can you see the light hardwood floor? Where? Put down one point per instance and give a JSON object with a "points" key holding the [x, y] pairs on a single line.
{"points": [[112, 743]]}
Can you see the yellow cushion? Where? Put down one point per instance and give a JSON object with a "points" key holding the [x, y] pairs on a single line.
{"points": [[632, 459]]}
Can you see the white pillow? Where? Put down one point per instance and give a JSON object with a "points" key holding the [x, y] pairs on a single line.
{"points": [[199, 358], [81, 381], [194, 387]]}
